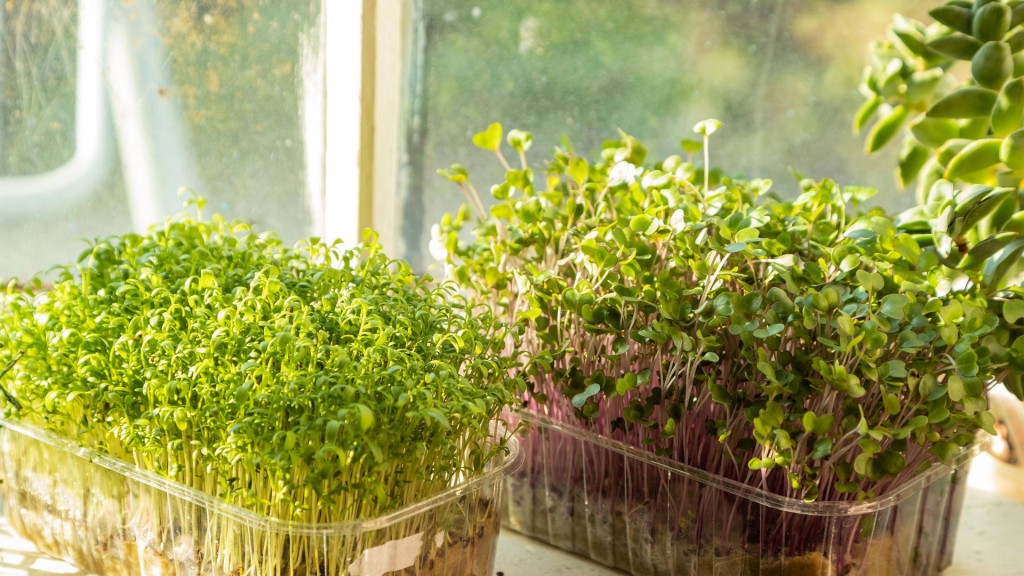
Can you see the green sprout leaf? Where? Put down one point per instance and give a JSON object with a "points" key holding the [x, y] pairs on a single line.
{"points": [[707, 127], [489, 139]]}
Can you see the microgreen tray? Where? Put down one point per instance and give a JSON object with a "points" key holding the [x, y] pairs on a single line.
{"points": [[647, 515], [109, 517]]}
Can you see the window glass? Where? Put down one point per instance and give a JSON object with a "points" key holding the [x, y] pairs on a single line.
{"points": [[781, 75], [108, 109]]}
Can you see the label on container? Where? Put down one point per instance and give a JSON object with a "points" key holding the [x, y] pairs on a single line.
{"points": [[388, 557]]}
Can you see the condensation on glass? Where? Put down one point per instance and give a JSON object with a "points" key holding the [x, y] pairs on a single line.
{"points": [[108, 108], [781, 74]]}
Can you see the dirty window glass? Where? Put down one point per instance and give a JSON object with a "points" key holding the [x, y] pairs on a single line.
{"points": [[108, 109], [782, 75]]}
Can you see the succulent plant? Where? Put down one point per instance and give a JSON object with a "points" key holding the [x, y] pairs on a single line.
{"points": [[962, 140]]}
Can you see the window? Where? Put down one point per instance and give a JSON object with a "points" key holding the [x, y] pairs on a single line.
{"points": [[781, 75], [326, 116], [109, 107]]}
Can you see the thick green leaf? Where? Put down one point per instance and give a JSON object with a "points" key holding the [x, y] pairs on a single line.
{"points": [[991, 21], [959, 46], [1009, 108], [955, 17], [884, 130], [967, 102], [1012, 150], [978, 255], [999, 265], [972, 208], [1016, 41], [866, 111], [992, 65], [977, 155], [934, 132], [913, 157]]}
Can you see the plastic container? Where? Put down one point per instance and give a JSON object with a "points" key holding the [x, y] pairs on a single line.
{"points": [[660, 517], [111, 518]]}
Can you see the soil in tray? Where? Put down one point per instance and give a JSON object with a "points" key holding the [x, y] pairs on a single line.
{"points": [[606, 535]]}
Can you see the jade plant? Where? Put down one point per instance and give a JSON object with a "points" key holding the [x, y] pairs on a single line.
{"points": [[951, 92], [312, 384], [804, 346]]}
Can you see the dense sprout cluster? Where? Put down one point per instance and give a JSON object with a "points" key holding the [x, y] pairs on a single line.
{"points": [[310, 383], [800, 345]]}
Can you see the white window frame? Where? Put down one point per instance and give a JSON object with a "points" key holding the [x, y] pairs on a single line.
{"points": [[367, 44]]}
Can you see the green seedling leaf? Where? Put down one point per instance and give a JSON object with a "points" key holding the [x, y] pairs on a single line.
{"points": [[489, 139], [1013, 310], [808, 420], [870, 281], [367, 420], [623, 385], [691, 146], [519, 140], [640, 223], [7, 395], [822, 448], [893, 306], [975, 202], [945, 451], [707, 127], [457, 173], [720, 395], [432, 413], [578, 169], [580, 399], [955, 388]]}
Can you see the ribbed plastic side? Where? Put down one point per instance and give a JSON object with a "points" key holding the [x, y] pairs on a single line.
{"points": [[109, 518], [657, 518]]}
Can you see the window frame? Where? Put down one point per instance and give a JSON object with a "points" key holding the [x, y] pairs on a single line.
{"points": [[370, 41]]}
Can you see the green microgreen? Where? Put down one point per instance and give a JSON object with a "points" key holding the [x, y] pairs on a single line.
{"points": [[806, 346], [314, 383]]}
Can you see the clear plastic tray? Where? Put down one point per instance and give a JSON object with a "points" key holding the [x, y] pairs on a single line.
{"points": [[662, 518], [109, 517]]}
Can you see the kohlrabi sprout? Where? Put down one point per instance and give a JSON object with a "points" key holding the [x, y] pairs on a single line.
{"points": [[802, 346]]}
